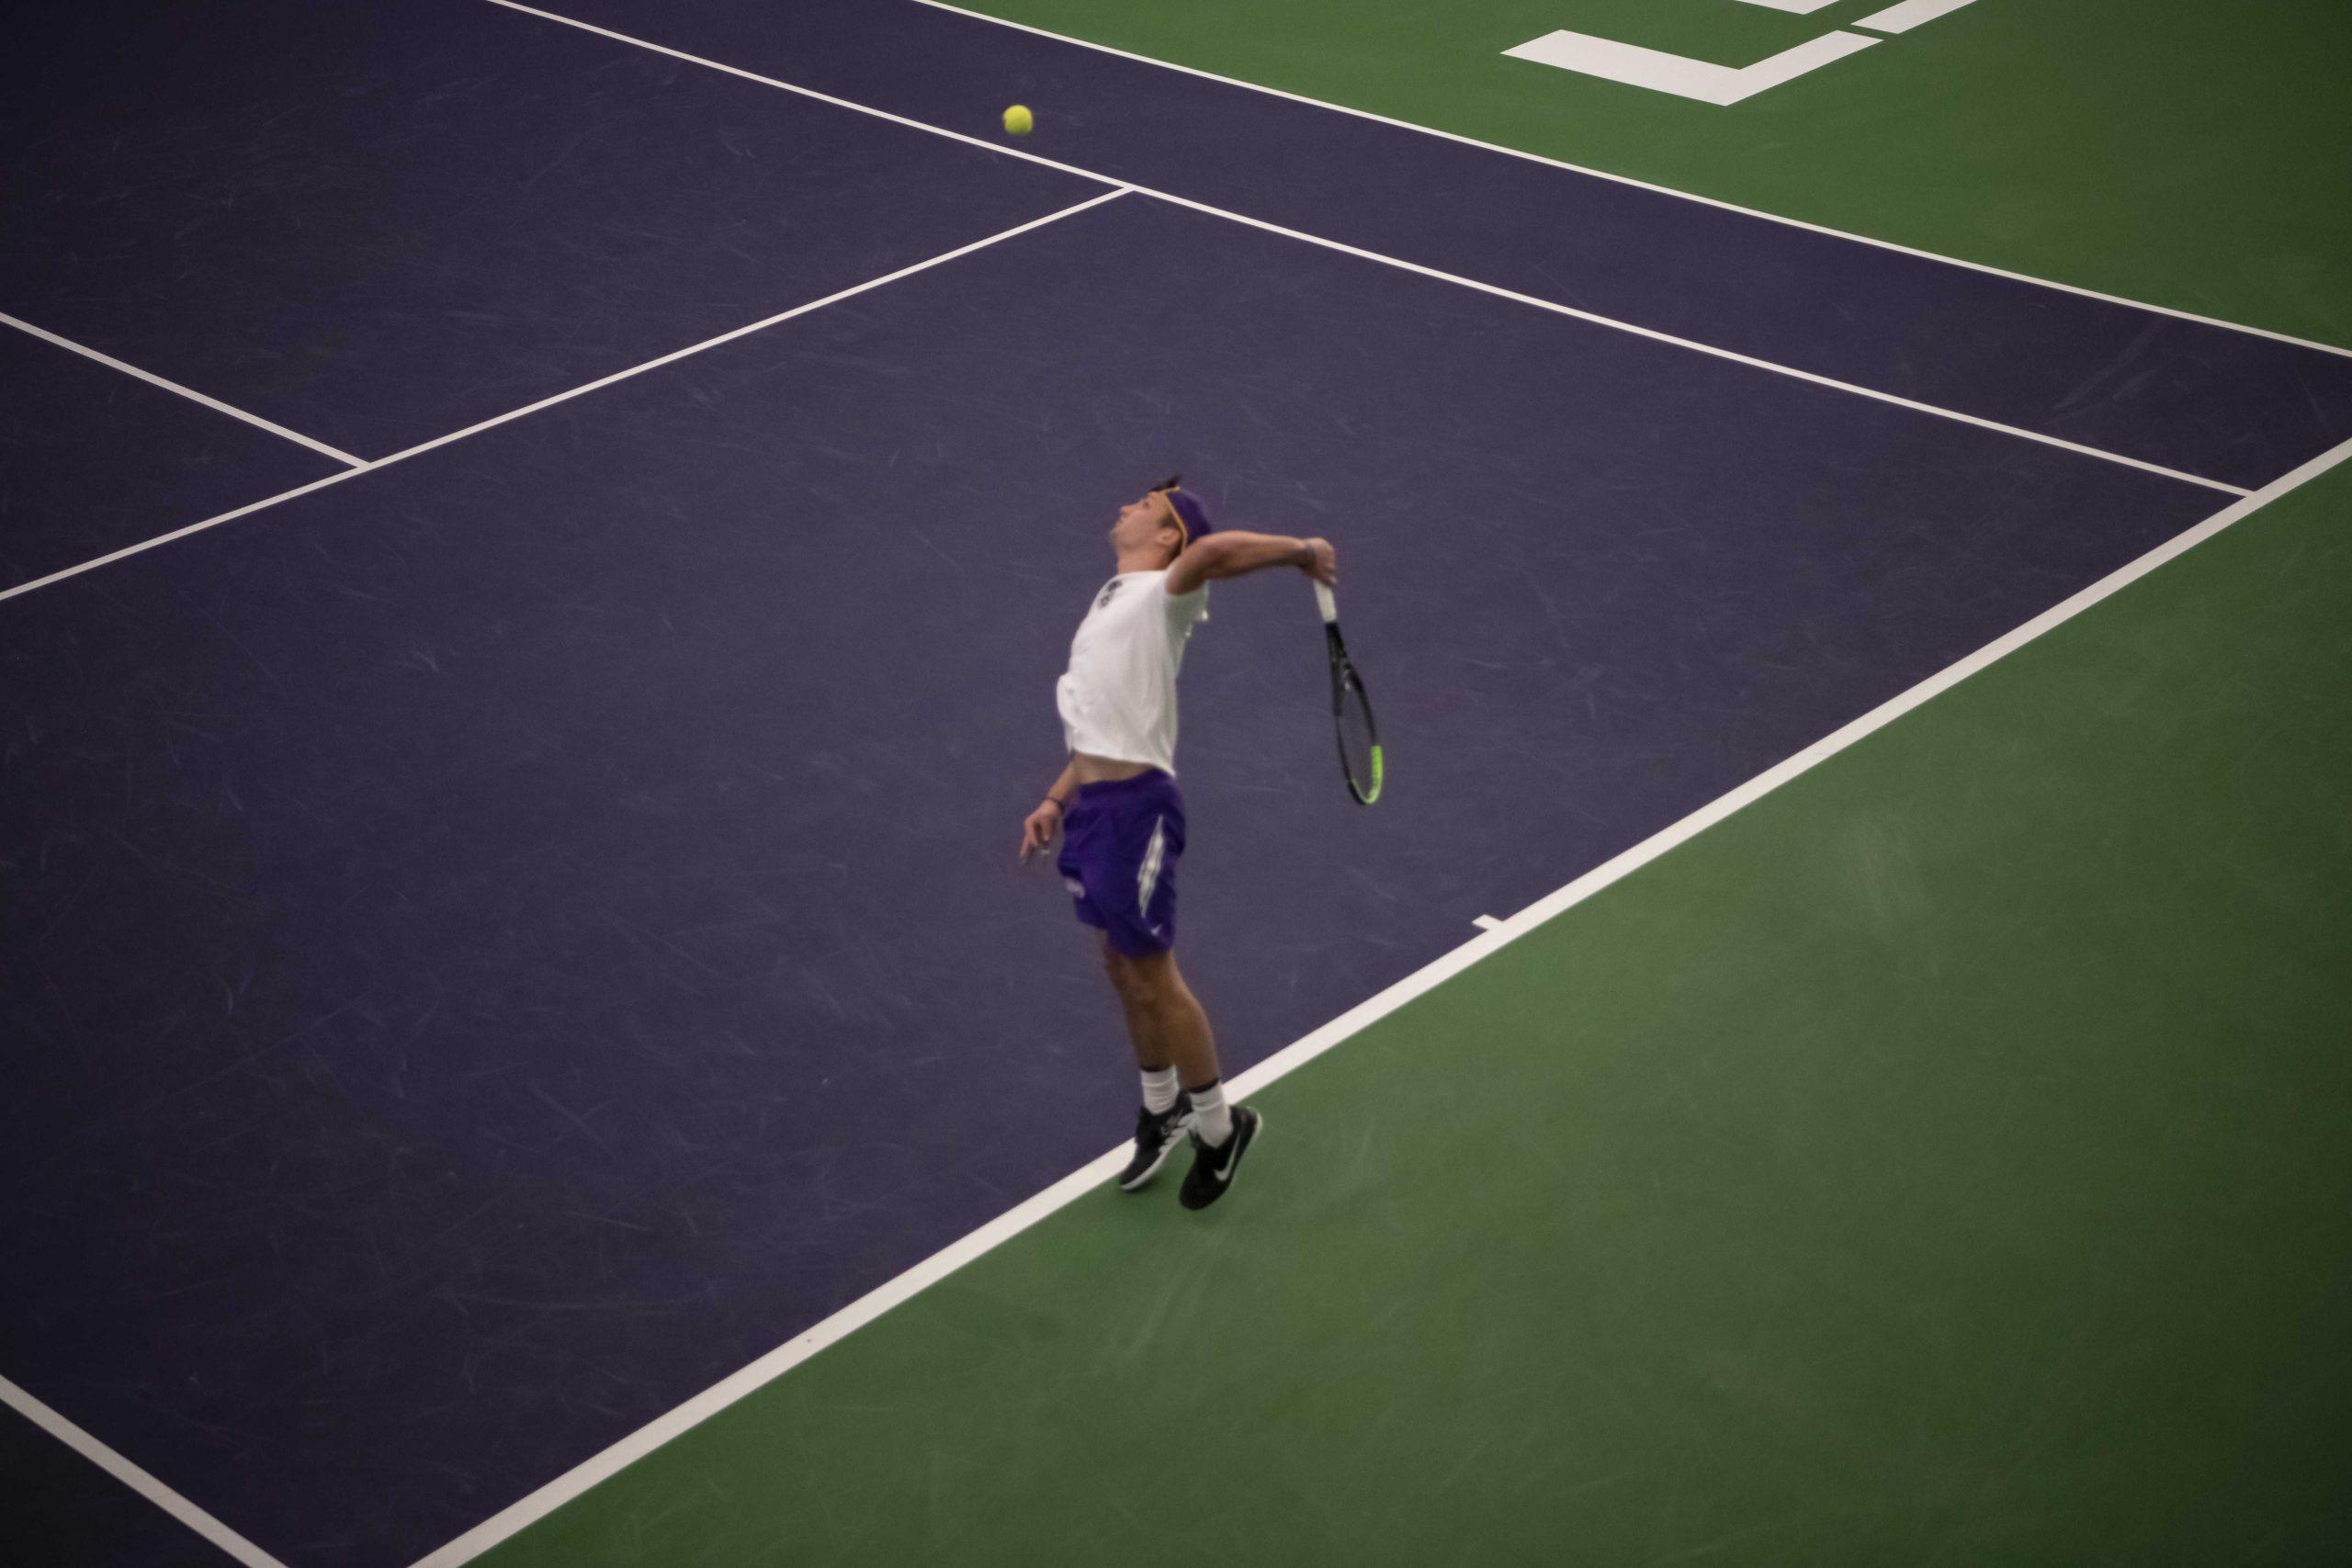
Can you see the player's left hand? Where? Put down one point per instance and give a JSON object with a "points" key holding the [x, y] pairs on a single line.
{"points": [[1324, 568]]}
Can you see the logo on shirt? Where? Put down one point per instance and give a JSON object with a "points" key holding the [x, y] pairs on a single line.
{"points": [[1108, 589]]}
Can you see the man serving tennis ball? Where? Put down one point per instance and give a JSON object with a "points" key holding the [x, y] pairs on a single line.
{"points": [[1122, 820]]}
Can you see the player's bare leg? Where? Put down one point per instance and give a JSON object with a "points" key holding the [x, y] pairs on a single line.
{"points": [[1168, 1022], [1143, 1029], [1164, 1120], [1165, 1020]]}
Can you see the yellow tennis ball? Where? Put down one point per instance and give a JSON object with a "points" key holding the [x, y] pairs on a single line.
{"points": [[1018, 121]]}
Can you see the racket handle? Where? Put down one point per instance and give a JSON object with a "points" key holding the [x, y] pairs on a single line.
{"points": [[1329, 605]]}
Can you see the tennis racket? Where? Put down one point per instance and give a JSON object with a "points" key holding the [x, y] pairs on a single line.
{"points": [[1351, 710]]}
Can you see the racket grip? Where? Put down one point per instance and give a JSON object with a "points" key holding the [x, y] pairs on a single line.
{"points": [[1329, 605]]}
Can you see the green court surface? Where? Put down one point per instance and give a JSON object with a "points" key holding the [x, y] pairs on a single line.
{"points": [[2192, 156], [1940, 1160]]}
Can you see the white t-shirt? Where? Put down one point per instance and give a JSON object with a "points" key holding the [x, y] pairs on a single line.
{"points": [[1118, 698]]}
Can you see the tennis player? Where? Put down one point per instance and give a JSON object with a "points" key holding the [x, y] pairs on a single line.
{"points": [[1122, 820]]}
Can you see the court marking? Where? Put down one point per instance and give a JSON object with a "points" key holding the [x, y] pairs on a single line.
{"points": [[215, 404], [1656, 71], [1905, 15], [1358, 251], [1694, 346], [535, 1506], [671, 357], [138, 1479], [1652, 186]]}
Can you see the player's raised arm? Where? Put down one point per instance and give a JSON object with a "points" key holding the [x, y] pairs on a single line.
{"points": [[1228, 553]]}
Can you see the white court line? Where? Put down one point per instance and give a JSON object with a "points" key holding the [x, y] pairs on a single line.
{"points": [[145, 544], [1697, 347], [519, 1516], [138, 1479], [1909, 14], [671, 357], [773, 1365], [1357, 251], [1703, 79], [1645, 184], [215, 404]]}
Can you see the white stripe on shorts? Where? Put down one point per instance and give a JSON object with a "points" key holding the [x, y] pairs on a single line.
{"points": [[1148, 877]]}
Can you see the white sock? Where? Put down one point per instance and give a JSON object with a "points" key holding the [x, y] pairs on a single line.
{"points": [[1158, 1089], [1211, 1119]]}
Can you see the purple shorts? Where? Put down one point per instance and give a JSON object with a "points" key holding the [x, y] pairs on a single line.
{"points": [[1121, 841]]}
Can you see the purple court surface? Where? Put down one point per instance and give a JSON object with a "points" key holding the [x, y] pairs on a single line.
{"points": [[377, 224], [498, 943], [2212, 401]]}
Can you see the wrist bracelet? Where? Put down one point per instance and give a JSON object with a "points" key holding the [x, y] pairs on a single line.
{"points": [[1057, 802]]}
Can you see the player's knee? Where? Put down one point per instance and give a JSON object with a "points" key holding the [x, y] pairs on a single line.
{"points": [[1152, 979]]}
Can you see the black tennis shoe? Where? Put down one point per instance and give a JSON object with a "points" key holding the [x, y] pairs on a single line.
{"points": [[1157, 1136], [1213, 1169]]}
